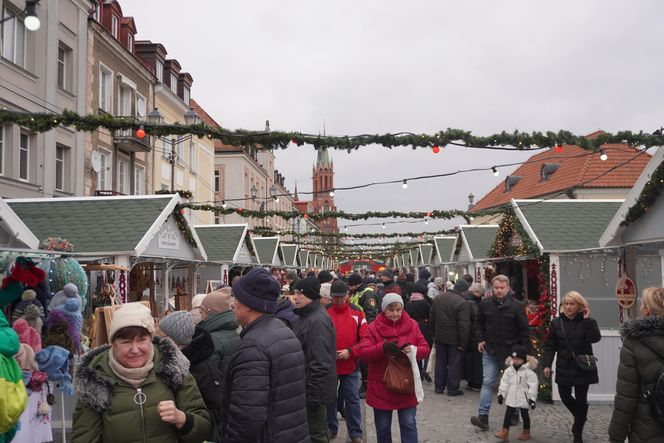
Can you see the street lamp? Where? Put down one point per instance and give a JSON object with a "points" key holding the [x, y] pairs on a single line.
{"points": [[31, 21], [254, 192], [190, 118]]}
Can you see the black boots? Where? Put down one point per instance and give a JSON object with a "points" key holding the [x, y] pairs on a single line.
{"points": [[580, 418], [481, 421]]}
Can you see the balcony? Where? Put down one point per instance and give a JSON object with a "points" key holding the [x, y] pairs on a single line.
{"points": [[106, 193], [126, 140]]}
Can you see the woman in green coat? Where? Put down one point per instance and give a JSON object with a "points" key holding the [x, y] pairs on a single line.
{"points": [[641, 359], [138, 389]]}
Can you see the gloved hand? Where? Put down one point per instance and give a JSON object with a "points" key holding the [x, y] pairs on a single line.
{"points": [[501, 400], [391, 348], [532, 404]]}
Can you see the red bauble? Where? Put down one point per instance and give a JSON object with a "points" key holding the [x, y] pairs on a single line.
{"points": [[140, 133], [306, 216], [428, 214], [294, 141], [239, 210], [435, 149], [559, 149]]}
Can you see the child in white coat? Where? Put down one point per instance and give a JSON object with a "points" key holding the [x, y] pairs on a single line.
{"points": [[518, 389]]}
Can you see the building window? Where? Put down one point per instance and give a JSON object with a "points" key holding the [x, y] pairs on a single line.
{"points": [[96, 14], [60, 164], [104, 171], [192, 157], [216, 181], [105, 89], [114, 26], [140, 106], [179, 152], [125, 97], [159, 71], [65, 70], [186, 95], [123, 177], [130, 42], [24, 156], [174, 83], [139, 180], [13, 37]]}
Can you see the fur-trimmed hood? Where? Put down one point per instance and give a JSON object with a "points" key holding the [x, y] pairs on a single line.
{"points": [[531, 362], [642, 327], [200, 348], [95, 382]]}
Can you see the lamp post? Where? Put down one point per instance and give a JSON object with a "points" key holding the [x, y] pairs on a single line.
{"points": [[190, 118], [31, 21]]}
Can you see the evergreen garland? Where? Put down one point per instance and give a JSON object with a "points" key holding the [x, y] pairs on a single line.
{"points": [[509, 227], [651, 191]]}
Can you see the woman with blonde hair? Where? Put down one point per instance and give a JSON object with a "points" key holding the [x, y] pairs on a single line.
{"points": [[641, 360], [570, 335]]}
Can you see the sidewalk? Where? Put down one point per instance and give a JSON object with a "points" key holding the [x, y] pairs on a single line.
{"points": [[447, 419]]}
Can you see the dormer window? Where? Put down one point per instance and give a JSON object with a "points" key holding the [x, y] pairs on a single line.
{"points": [[174, 83], [547, 170], [511, 181], [186, 95], [130, 42], [159, 71], [115, 26]]}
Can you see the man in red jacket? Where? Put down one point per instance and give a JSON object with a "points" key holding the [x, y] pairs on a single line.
{"points": [[349, 326]]}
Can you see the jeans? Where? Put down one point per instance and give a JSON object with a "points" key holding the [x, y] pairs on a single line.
{"points": [[448, 367], [491, 367], [349, 395], [317, 423], [407, 425]]}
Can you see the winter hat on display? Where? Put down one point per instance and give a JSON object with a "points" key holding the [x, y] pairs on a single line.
{"points": [[519, 351], [258, 290], [179, 326], [70, 290], [54, 361], [29, 298], [27, 335], [33, 317], [354, 279], [325, 276], [131, 314], [310, 287], [461, 285], [425, 274], [22, 273], [26, 358], [339, 289], [325, 290], [72, 310], [391, 297], [387, 272]]}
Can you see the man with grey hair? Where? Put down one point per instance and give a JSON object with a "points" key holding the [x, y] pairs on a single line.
{"points": [[501, 323], [472, 357]]}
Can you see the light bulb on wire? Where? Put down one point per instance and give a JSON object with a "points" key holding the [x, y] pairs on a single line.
{"points": [[383, 225], [426, 221], [602, 155], [223, 204], [405, 184], [332, 193], [346, 228], [495, 171]]}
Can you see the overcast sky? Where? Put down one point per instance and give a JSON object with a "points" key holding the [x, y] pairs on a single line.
{"points": [[388, 66]]}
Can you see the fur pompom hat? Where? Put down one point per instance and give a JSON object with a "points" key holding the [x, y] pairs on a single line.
{"points": [[68, 291]]}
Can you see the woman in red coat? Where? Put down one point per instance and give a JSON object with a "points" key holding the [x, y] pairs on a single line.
{"points": [[390, 334]]}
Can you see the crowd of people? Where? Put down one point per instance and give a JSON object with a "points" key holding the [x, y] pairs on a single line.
{"points": [[280, 357]]}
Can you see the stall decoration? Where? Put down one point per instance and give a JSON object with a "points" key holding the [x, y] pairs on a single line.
{"points": [[651, 191]]}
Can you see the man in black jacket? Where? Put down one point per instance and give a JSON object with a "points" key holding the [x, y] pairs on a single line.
{"points": [[264, 390], [316, 334], [501, 323]]}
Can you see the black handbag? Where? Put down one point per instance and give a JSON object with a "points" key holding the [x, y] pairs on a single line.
{"points": [[584, 362]]}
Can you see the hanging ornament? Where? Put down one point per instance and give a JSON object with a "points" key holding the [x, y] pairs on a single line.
{"points": [[140, 132], [626, 292], [435, 149], [559, 148]]}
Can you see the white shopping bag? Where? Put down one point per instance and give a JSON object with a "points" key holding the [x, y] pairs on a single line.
{"points": [[419, 392], [431, 364]]}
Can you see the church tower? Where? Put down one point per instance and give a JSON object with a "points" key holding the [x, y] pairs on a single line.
{"points": [[323, 180]]}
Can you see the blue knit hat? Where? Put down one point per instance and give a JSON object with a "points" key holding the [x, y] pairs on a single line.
{"points": [[258, 290], [54, 361]]}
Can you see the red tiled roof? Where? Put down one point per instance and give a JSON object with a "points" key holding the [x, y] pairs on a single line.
{"points": [[578, 168]]}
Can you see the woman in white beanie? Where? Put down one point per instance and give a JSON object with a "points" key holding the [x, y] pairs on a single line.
{"points": [[138, 388], [390, 335]]}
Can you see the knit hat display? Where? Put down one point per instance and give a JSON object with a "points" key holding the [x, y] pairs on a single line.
{"points": [[179, 326], [339, 289], [424, 274], [461, 285], [28, 298], [519, 351], [217, 302], [26, 358], [54, 361], [131, 314], [325, 290], [354, 279], [61, 330], [390, 298], [33, 317], [387, 272], [258, 290], [23, 273], [27, 335], [325, 276], [72, 310], [310, 287], [68, 291]]}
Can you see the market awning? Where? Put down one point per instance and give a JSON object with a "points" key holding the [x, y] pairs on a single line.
{"points": [[445, 248], [425, 252], [405, 259], [222, 243], [477, 241], [303, 258], [565, 225], [289, 254], [136, 225], [266, 249], [14, 234], [414, 256]]}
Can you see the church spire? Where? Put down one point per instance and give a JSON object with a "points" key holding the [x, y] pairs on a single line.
{"points": [[323, 157], [295, 197]]}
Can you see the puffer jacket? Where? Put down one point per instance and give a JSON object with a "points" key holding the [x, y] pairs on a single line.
{"points": [[106, 411], [223, 329], [316, 334], [501, 325], [474, 307], [450, 317], [581, 333], [381, 330], [264, 390], [638, 370], [519, 386], [204, 366]]}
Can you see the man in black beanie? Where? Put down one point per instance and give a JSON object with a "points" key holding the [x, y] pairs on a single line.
{"points": [[316, 334]]}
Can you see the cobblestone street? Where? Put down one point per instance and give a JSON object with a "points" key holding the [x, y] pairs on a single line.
{"points": [[447, 419]]}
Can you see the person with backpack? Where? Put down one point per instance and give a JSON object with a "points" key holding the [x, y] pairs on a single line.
{"points": [[570, 336], [638, 412]]}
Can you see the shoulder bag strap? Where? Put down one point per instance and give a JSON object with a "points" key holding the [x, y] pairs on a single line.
{"points": [[569, 345]]}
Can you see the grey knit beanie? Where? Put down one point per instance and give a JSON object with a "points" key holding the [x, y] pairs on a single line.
{"points": [[179, 326]]}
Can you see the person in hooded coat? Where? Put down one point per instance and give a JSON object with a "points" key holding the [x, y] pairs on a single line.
{"points": [[419, 309], [219, 321]]}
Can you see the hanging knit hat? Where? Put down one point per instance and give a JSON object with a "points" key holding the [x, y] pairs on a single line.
{"points": [[179, 326], [71, 309], [70, 290], [131, 314], [29, 298], [26, 358], [54, 361], [23, 273], [27, 335], [33, 317]]}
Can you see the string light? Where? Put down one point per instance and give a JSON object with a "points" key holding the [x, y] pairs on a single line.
{"points": [[495, 171], [602, 155], [332, 193], [405, 184], [426, 221], [223, 204], [346, 228], [383, 225]]}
